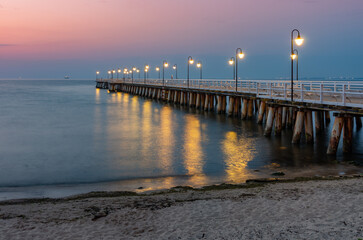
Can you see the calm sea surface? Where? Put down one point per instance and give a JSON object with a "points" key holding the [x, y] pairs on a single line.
{"points": [[66, 137]]}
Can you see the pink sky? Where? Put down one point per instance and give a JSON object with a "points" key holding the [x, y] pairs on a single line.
{"points": [[110, 29]]}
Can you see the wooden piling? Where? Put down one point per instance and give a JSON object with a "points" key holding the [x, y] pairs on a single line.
{"points": [[244, 108], [348, 134], [261, 112], [224, 104], [197, 101], [270, 121], [236, 107], [358, 122], [230, 106], [219, 104], [278, 121], [318, 122], [211, 103], [308, 121], [284, 116], [335, 135], [299, 123], [250, 109], [206, 102], [327, 117]]}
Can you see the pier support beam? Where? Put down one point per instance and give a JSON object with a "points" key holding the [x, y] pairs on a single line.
{"points": [[270, 121], [284, 116], [318, 122], [261, 111], [206, 102], [309, 134], [244, 108], [278, 121], [298, 127], [327, 117], [250, 109], [335, 135], [197, 101], [230, 106], [348, 134], [219, 104], [358, 122]]}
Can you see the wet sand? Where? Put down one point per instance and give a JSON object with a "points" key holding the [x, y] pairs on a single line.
{"points": [[318, 209]]}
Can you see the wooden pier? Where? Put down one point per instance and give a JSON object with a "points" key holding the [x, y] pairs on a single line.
{"points": [[269, 99]]}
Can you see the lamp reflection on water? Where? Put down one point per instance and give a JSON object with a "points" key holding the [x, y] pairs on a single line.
{"points": [[193, 152], [166, 140], [238, 152]]}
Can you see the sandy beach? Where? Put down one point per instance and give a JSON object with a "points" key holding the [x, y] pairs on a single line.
{"points": [[319, 209]]}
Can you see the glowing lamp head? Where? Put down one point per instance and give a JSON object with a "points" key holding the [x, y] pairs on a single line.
{"points": [[191, 61], [293, 56], [97, 72], [166, 64], [241, 55], [174, 67], [113, 71], [147, 67], [199, 65], [157, 69], [130, 71], [134, 69], [299, 41], [146, 70], [109, 72], [231, 61]]}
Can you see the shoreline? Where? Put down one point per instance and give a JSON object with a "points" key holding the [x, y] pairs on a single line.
{"points": [[304, 208], [250, 183]]}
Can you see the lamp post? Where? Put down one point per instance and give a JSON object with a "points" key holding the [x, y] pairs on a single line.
{"points": [[190, 62], [239, 55], [108, 74], [165, 65], [158, 70], [199, 65], [132, 76], [97, 75], [113, 72], [138, 71], [293, 57], [175, 67], [125, 72], [232, 62], [118, 73], [299, 41]]}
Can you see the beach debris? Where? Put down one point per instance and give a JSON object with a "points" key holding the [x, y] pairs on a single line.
{"points": [[97, 212], [278, 174]]}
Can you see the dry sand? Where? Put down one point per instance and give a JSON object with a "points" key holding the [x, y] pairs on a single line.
{"points": [[295, 210]]}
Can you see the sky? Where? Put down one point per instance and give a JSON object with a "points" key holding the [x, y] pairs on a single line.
{"points": [[45, 39]]}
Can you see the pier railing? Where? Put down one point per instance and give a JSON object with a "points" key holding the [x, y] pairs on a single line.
{"points": [[339, 93]]}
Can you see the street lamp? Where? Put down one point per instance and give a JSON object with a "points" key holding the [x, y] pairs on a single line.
{"points": [[199, 65], [125, 72], [118, 73], [138, 71], [190, 62], [113, 72], [175, 67], [165, 65], [158, 70], [145, 74], [294, 56], [108, 74], [97, 75], [299, 41], [232, 62], [239, 55], [132, 76]]}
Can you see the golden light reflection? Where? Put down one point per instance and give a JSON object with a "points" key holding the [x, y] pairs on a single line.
{"points": [[97, 95], [146, 132], [238, 153], [166, 145], [193, 152]]}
